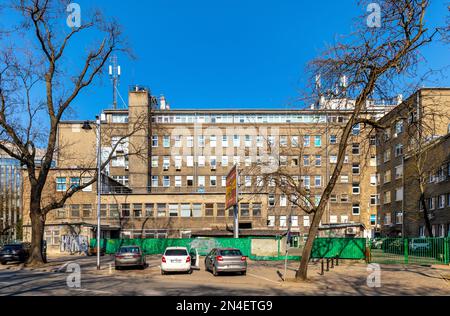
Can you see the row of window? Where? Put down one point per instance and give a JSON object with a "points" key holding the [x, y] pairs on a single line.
{"points": [[65, 183], [308, 140], [438, 230], [138, 210], [398, 196], [225, 161], [442, 200], [441, 174]]}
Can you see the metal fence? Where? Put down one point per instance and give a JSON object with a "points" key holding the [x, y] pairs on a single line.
{"points": [[422, 251]]}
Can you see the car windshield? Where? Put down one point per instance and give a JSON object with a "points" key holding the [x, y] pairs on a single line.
{"points": [[129, 250], [176, 252], [12, 247], [231, 252]]}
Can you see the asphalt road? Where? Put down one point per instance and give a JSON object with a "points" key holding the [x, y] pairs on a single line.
{"points": [[262, 279]]}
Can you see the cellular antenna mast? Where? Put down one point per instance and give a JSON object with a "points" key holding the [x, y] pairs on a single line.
{"points": [[114, 74]]}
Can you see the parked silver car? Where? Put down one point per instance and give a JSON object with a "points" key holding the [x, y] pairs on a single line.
{"points": [[128, 256], [226, 260]]}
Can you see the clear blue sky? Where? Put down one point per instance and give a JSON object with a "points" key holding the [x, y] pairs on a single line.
{"points": [[228, 54]]}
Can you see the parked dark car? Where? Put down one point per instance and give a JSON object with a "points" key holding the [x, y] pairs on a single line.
{"points": [[226, 260], [14, 253], [129, 256]]}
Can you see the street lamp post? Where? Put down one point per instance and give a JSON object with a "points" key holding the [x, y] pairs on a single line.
{"points": [[99, 186], [87, 126]]}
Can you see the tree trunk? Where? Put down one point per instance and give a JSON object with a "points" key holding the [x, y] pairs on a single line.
{"points": [[302, 272], [425, 215], [37, 235]]}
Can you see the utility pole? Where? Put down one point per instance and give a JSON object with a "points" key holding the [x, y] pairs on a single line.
{"points": [[114, 74]]}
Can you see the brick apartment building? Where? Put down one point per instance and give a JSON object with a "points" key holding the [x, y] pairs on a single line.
{"points": [[168, 178], [415, 149]]}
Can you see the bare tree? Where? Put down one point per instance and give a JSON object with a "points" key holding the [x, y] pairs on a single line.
{"points": [[372, 59], [43, 65]]}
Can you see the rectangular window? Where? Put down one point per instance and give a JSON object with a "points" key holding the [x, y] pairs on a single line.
{"points": [[318, 181], [355, 209], [212, 181], [283, 200], [333, 139], [344, 198], [155, 160], [387, 155], [178, 162], [220, 210], [271, 199], [283, 141], [248, 141], [333, 159], [224, 181], [190, 161], [245, 209], [125, 208], [190, 141], [166, 162], [373, 179], [387, 176], [256, 209], [166, 181], [283, 221], [248, 181], [375, 199], [333, 219], [306, 222], [149, 209], [185, 210], [213, 162], [294, 221], [212, 141], [161, 210], [201, 141], [166, 141], [224, 161], [155, 183], [154, 140], [355, 168], [344, 219], [398, 150], [399, 172], [344, 178], [271, 221], [224, 141], [355, 188], [441, 201], [178, 141], [87, 210], [201, 181], [306, 141], [318, 141], [306, 160], [137, 210], [201, 161], [209, 209], [173, 210], [85, 181], [355, 148], [197, 210], [61, 184], [236, 141], [387, 197], [318, 160], [294, 141], [333, 198], [356, 129], [399, 194], [74, 182], [178, 182], [190, 181], [114, 211]]}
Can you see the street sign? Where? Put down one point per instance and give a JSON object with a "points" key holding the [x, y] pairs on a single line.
{"points": [[231, 193]]}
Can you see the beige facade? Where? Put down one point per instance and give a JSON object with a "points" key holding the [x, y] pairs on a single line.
{"points": [[412, 147], [167, 179]]}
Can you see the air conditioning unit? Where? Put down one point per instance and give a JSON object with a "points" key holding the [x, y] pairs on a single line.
{"points": [[350, 230]]}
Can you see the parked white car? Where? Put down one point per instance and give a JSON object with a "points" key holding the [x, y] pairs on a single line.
{"points": [[176, 259]]}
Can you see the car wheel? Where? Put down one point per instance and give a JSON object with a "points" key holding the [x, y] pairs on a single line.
{"points": [[163, 272], [3, 263], [190, 271], [117, 267], [244, 273], [215, 272]]}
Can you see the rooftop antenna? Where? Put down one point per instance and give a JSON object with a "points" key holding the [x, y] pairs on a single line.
{"points": [[114, 74]]}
